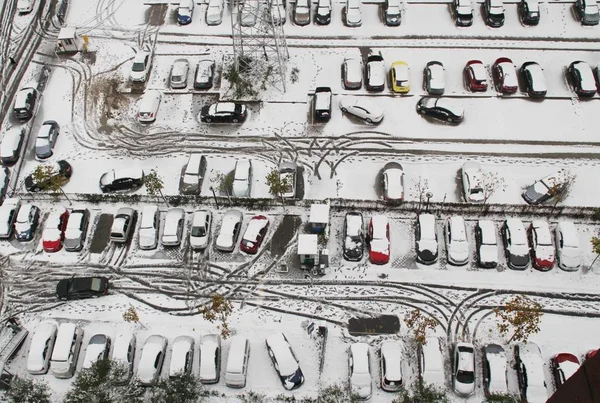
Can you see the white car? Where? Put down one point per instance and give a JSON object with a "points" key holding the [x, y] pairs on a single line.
{"points": [[214, 12], [179, 73], [76, 230], [434, 79], [391, 365], [567, 246], [151, 361], [230, 230], [210, 358], [426, 239], [430, 360], [530, 373], [25, 6], [516, 246], [173, 230], [472, 181], [149, 106], [123, 355], [284, 360], [182, 356], [494, 371], [242, 178], [250, 10], [40, 349], [393, 182], [352, 73], [362, 108], [97, 350], [486, 243], [464, 369], [359, 367], [376, 76], [457, 243], [148, 233], [200, 231], [278, 12], [140, 69], [353, 13]]}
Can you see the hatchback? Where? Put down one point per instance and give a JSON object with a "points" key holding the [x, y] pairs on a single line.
{"points": [[476, 76], [223, 112], [54, 230], [59, 169], [8, 216], [76, 230], [140, 69], [516, 248], [353, 13], [486, 244], [255, 234], [27, 222], [122, 225], [97, 350], [391, 365], [442, 109], [122, 179], [582, 79], [463, 378], [284, 360], [359, 367], [434, 78], [192, 174], [322, 104], [123, 356], [203, 78], [494, 371], [353, 236], [27, 102], [567, 246], [392, 179], [148, 108], [200, 231], [302, 12], [210, 358], [229, 231], [463, 11], [544, 189], [564, 366], [530, 373], [391, 13], [494, 13], [400, 77], [182, 356], [81, 287], [173, 229], [529, 11], [151, 360], [149, 225], [426, 239], [534, 79], [472, 182], [10, 148], [214, 12], [323, 14], [185, 11], [352, 73], [46, 139], [375, 80], [242, 178], [505, 75], [40, 348], [457, 242], [362, 108], [542, 250], [379, 240], [587, 10], [179, 73]]}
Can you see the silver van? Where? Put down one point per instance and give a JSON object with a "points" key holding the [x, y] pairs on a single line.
{"points": [[66, 350], [237, 362]]}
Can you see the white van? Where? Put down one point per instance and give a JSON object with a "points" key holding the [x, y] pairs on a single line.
{"points": [[66, 350], [237, 362], [124, 354], [40, 349]]}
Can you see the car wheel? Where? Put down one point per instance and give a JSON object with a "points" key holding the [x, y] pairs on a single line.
{"points": [[344, 110], [208, 120], [234, 120], [368, 120], [449, 120]]}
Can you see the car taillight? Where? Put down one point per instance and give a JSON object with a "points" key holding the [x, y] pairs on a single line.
{"points": [[151, 114]]}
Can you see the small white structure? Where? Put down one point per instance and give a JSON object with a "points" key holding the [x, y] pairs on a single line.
{"points": [[319, 217], [67, 41], [308, 249]]}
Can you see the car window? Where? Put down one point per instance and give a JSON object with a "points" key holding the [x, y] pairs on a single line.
{"points": [[157, 360], [46, 348], [129, 352]]}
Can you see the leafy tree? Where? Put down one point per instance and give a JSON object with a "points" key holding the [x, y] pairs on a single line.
{"points": [[491, 183], [50, 180], [521, 314], [154, 185], [277, 184], [501, 399], [419, 325], [131, 316], [24, 390], [218, 308], [224, 182], [182, 389]]}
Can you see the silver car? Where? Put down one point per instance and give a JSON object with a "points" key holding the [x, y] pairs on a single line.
{"points": [[302, 12], [179, 73], [174, 221], [214, 12], [230, 230], [46, 139], [352, 72]]}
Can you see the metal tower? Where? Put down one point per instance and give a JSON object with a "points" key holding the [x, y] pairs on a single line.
{"points": [[259, 41]]}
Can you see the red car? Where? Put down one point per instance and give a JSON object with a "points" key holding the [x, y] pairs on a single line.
{"points": [[476, 76], [255, 233], [564, 365], [590, 354], [505, 74], [379, 240], [542, 250], [54, 231]]}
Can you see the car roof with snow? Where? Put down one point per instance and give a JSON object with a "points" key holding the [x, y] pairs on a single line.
{"points": [[148, 212], [354, 224], [531, 357], [537, 76], [510, 73], [379, 226], [52, 223], [488, 232], [208, 344], [153, 345], [478, 71], [180, 66], [496, 357], [360, 357], [256, 224], [140, 56], [457, 225], [354, 69], [323, 99], [230, 218], [543, 232], [281, 349], [10, 141], [517, 231], [149, 100], [121, 345], [181, 346], [586, 74], [438, 76], [427, 222], [400, 70], [392, 351], [43, 332], [222, 107], [569, 231], [450, 105]]}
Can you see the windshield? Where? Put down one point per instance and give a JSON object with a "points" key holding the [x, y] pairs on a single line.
{"points": [[198, 231], [465, 377], [138, 66]]}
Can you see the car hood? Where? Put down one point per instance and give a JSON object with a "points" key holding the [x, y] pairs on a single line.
{"points": [[570, 259], [240, 188], [198, 241], [488, 253], [138, 75], [459, 252], [22, 227], [353, 15], [147, 237], [464, 389]]}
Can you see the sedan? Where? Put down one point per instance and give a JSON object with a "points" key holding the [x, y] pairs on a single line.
{"points": [[530, 373], [200, 231], [205, 70], [122, 180], [255, 234], [54, 230], [378, 240], [472, 181], [230, 230], [582, 79], [486, 244], [323, 14], [393, 182], [457, 243], [284, 360], [242, 178], [352, 73], [182, 356], [122, 225], [534, 79], [353, 236], [46, 139], [494, 371], [542, 250], [400, 76], [476, 76], [27, 222], [359, 367], [567, 246], [505, 74], [391, 366], [353, 13], [185, 11], [140, 69], [302, 12], [563, 365], [152, 359], [97, 350], [463, 369], [52, 174], [25, 6], [149, 225], [375, 72], [12, 141], [81, 287], [516, 248], [173, 229], [362, 108], [148, 108], [529, 11], [8, 215], [223, 112], [545, 189], [277, 12], [210, 358], [434, 78], [288, 172], [214, 12], [76, 230], [442, 109], [179, 73]]}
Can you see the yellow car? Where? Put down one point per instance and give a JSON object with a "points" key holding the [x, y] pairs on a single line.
{"points": [[400, 77]]}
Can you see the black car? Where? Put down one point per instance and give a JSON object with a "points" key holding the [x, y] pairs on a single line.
{"points": [[323, 104], [223, 112], [354, 237], [516, 245], [61, 171], [582, 78], [426, 241], [81, 287], [323, 14], [494, 13], [529, 11], [441, 109], [463, 13], [587, 11], [117, 180], [10, 149], [533, 77], [284, 360]]}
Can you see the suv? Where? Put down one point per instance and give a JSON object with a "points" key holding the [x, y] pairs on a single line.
{"points": [[192, 175], [587, 10], [494, 13], [122, 225], [542, 250], [140, 69], [534, 79], [463, 373], [323, 104], [529, 11], [516, 247], [457, 243], [426, 239], [463, 11], [26, 103], [530, 373], [582, 78], [567, 246], [494, 371]]}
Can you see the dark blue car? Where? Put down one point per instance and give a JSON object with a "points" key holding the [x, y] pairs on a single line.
{"points": [[185, 11]]}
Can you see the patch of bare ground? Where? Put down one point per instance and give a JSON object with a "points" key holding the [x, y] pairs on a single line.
{"points": [[105, 98]]}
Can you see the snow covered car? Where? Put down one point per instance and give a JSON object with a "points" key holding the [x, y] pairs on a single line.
{"points": [[40, 349], [26, 104], [544, 189], [516, 248], [494, 371], [442, 109], [563, 366], [505, 75], [185, 11], [151, 360], [210, 358], [97, 350], [322, 104], [379, 240], [302, 12], [567, 246], [400, 77], [352, 13], [214, 12], [278, 12], [391, 365], [230, 231], [173, 229], [362, 108], [81, 287], [8, 216], [284, 360], [203, 78], [375, 72], [223, 112], [179, 73], [12, 141], [486, 244], [76, 230], [472, 181], [430, 360], [140, 69], [54, 230], [359, 367], [476, 76], [587, 11], [123, 355], [4, 179], [352, 73], [192, 174], [122, 225], [494, 13], [200, 231], [25, 6], [529, 12], [391, 13], [426, 239], [530, 373], [582, 79], [534, 79], [392, 179], [542, 250], [46, 139], [182, 356], [60, 169], [27, 222], [457, 243], [353, 236], [463, 374], [323, 14], [288, 171], [434, 78], [148, 108], [149, 225], [255, 234], [121, 179], [463, 12], [242, 178]]}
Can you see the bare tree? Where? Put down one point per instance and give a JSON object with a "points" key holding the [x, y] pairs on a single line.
{"points": [[595, 248], [492, 182], [521, 314], [154, 185], [562, 187], [419, 325], [218, 308], [420, 188]]}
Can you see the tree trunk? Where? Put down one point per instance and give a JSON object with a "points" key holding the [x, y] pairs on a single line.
{"points": [[66, 197], [163, 197], [592, 265]]}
